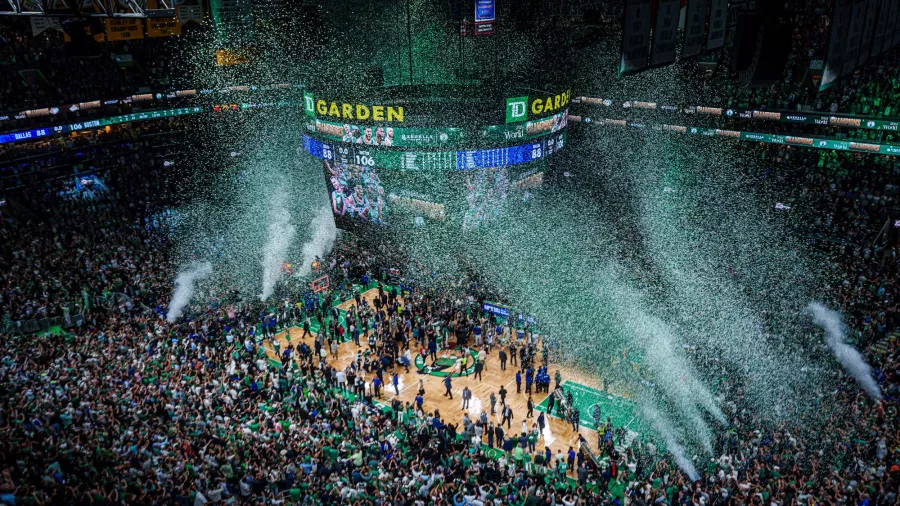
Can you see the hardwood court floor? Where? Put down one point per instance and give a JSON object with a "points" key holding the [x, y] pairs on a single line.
{"points": [[558, 434]]}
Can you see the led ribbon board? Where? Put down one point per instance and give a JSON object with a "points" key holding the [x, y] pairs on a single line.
{"points": [[409, 137], [435, 160]]}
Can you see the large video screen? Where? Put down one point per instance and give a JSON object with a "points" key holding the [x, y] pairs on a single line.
{"points": [[363, 195], [487, 193]]}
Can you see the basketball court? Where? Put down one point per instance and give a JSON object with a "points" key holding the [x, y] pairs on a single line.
{"points": [[558, 433]]}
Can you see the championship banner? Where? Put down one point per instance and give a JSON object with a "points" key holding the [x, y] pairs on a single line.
{"points": [[232, 20], [865, 44], [124, 29], [162, 27], [99, 36], [41, 24], [854, 36], [225, 57], [881, 26], [718, 13], [837, 46], [636, 36], [694, 28], [190, 11], [891, 29], [662, 52], [894, 26]]}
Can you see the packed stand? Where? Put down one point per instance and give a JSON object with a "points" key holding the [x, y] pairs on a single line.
{"points": [[84, 227], [131, 410]]}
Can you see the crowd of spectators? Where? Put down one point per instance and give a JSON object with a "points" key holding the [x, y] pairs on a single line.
{"points": [[128, 409], [74, 235], [873, 90], [131, 410]]}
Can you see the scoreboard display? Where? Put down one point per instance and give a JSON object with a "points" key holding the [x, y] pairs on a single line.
{"points": [[435, 160]]}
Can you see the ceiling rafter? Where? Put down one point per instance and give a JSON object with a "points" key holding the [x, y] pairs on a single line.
{"points": [[87, 8]]}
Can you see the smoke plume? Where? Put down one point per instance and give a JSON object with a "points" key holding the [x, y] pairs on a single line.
{"points": [[184, 289], [850, 359], [280, 235], [322, 236]]}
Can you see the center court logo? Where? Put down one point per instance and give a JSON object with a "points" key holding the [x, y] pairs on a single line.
{"points": [[516, 109]]}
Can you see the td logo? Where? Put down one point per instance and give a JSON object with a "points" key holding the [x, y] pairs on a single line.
{"points": [[516, 109], [309, 104]]}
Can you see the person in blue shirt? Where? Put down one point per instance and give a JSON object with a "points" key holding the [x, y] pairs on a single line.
{"points": [[508, 445], [376, 386], [419, 401], [449, 385], [518, 382], [432, 350], [529, 379], [396, 382]]}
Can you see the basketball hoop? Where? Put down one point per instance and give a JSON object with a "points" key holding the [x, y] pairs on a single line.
{"points": [[319, 285]]}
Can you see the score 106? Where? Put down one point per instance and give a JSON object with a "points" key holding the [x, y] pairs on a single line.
{"points": [[347, 154], [364, 158]]}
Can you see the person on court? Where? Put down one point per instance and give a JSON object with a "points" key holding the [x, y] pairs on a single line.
{"points": [[449, 385], [507, 417]]}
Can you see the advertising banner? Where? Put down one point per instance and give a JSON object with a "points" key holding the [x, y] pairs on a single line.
{"points": [[636, 36], [401, 137], [124, 29], [694, 28], [386, 136], [484, 10], [339, 110], [837, 45], [522, 108], [516, 109], [808, 142], [485, 17], [854, 36], [662, 52], [718, 13], [523, 131]]}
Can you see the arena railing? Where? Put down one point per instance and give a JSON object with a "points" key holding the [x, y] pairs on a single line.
{"points": [[109, 302]]}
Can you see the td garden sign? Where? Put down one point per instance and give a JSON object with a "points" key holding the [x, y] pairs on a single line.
{"points": [[348, 111], [521, 108]]}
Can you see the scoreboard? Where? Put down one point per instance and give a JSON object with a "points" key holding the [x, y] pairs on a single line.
{"points": [[366, 156]]}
